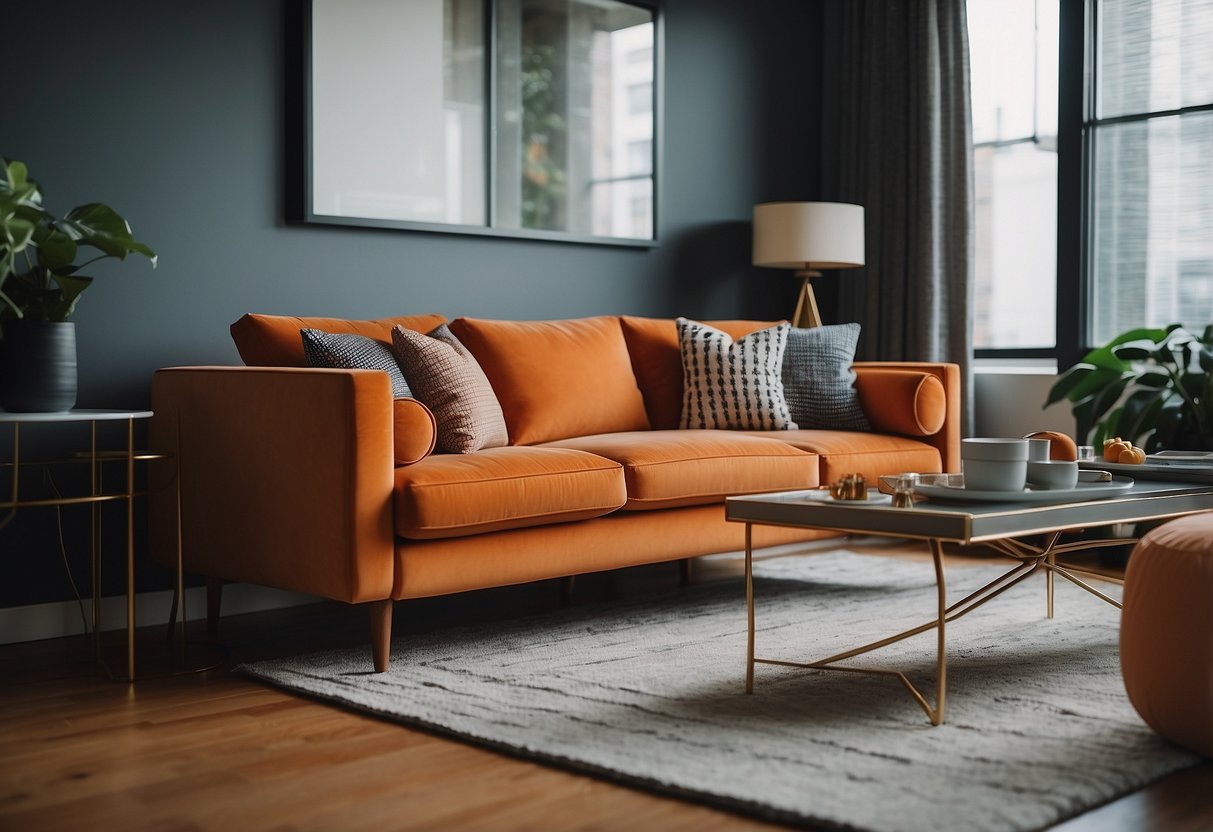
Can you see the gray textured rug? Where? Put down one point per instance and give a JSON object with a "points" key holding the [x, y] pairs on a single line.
{"points": [[650, 692]]}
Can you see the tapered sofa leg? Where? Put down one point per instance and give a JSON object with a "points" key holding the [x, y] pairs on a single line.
{"points": [[684, 571], [214, 600], [381, 632]]}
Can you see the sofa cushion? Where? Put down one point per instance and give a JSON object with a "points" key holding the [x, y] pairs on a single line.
{"points": [[273, 340], [818, 380], [657, 362], [446, 377], [733, 384], [347, 351], [664, 469], [557, 379], [851, 452], [414, 431], [503, 488], [909, 402]]}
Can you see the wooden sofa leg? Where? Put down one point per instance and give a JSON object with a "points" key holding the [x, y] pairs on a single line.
{"points": [[566, 590], [214, 599], [684, 571], [381, 632]]}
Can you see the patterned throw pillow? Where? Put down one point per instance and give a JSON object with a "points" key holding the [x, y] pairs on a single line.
{"points": [[818, 380], [353, 352], [446, 378], [733, 384]]}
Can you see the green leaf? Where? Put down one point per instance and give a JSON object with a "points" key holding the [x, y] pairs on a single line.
{"points": [[1134, 418], [1098, 381], [1103, 357], [1103, 401], [55, 249], [1067, 381], [1135, 351], [1153, 378], [70, 288], [103, 228], [1166, 425]]}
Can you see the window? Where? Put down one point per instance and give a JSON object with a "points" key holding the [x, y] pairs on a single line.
{"points": [[1013, 50], [1151, 140], [415, 119], [1104, 108]]}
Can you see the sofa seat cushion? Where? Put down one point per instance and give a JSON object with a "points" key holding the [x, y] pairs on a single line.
{"points": [[450, 495], [855, 452], [669, 468]]}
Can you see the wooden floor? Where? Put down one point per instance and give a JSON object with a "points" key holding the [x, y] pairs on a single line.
{"points": [[217, 751]]}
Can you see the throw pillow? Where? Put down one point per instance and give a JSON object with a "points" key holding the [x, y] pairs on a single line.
{"points": [[733, 384], [818, 380], [346, 351], [446, 378]]}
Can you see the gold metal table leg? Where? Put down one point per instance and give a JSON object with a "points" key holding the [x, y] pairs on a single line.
{"points": [[749, 600], [130, 549]]}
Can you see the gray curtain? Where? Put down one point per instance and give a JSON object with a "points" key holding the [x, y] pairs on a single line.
{"points": [[898, 140]]}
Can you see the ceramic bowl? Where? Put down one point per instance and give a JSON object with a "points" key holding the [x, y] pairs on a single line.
{"points": [[1053, 473], [995, 475], [994, 450]]}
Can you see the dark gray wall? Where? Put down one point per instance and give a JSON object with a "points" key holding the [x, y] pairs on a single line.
{"points": [[172, 112]]}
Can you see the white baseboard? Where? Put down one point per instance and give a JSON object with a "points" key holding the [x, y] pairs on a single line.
{"points": [[40, 621]]}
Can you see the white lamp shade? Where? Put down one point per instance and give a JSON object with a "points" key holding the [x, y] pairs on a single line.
{"points": [[808, 235]]}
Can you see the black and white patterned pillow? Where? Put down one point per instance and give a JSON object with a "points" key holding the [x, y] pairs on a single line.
{"points": [[733, 384], [818, 380], [346, 351]]}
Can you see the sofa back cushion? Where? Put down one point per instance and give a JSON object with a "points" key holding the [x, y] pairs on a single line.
{"points": [[657, 363], [557, 379], [274, 340]]}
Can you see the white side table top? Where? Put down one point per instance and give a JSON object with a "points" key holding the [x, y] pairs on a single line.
{"points": [[73, 416]]}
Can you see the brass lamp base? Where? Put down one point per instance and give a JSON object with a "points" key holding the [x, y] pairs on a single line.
{"points": [[806, 307]]}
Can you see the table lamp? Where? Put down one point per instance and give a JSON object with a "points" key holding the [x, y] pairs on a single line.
{"points": [[808, 236]]}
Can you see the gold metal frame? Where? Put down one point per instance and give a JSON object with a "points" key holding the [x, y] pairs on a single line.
{"points": [[96, 496], [1032, 559]]}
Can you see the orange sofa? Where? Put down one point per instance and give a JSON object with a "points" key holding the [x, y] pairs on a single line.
{"points": [[315, 480]]}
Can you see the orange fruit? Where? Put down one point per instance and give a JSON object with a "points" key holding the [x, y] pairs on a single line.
{"points": [[1060, 445], [1113, 449]]}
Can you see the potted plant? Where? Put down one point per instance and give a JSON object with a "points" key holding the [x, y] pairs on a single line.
{"points": [[1151, 383], [40, 284]]}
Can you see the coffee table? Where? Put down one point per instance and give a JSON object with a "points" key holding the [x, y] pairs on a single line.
{"points": [[1004, 527]]}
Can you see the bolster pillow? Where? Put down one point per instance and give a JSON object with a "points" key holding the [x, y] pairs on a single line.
{"points": [[414, 431], [906, 402]]}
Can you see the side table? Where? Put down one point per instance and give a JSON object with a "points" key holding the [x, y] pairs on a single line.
{"points": [[97, 494]]}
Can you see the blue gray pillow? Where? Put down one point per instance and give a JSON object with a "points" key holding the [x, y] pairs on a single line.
{"points": [[818, 381], [346, 351]]}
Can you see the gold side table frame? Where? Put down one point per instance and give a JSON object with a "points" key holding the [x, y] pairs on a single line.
{"points": [[97, 495], [1005, 529]]}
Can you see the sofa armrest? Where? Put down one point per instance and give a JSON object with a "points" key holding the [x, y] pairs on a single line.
{"points": [[285, 477], [896, 401]]}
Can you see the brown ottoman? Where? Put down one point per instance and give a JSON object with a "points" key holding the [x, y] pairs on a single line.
{"points": [[1166, 631]]}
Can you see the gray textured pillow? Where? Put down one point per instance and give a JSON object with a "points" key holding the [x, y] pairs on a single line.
{"points": [[732, 384], [818, 381], [346, 351]]}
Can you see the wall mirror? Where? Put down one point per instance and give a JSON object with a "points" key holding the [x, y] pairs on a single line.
{"points": [[530, 118]]}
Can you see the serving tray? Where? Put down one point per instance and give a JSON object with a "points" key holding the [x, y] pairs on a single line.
{"points": [[1083, 491]]}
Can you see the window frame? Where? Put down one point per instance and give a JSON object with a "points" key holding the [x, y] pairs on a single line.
{"points": [[299, 204], [1076, 126]]}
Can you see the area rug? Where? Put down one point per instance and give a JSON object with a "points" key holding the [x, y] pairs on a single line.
{"points": [[650, 692]]}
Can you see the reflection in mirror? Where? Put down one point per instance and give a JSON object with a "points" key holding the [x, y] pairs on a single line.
{"points": [[403, 132], [398, 110], [575, 117]]}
